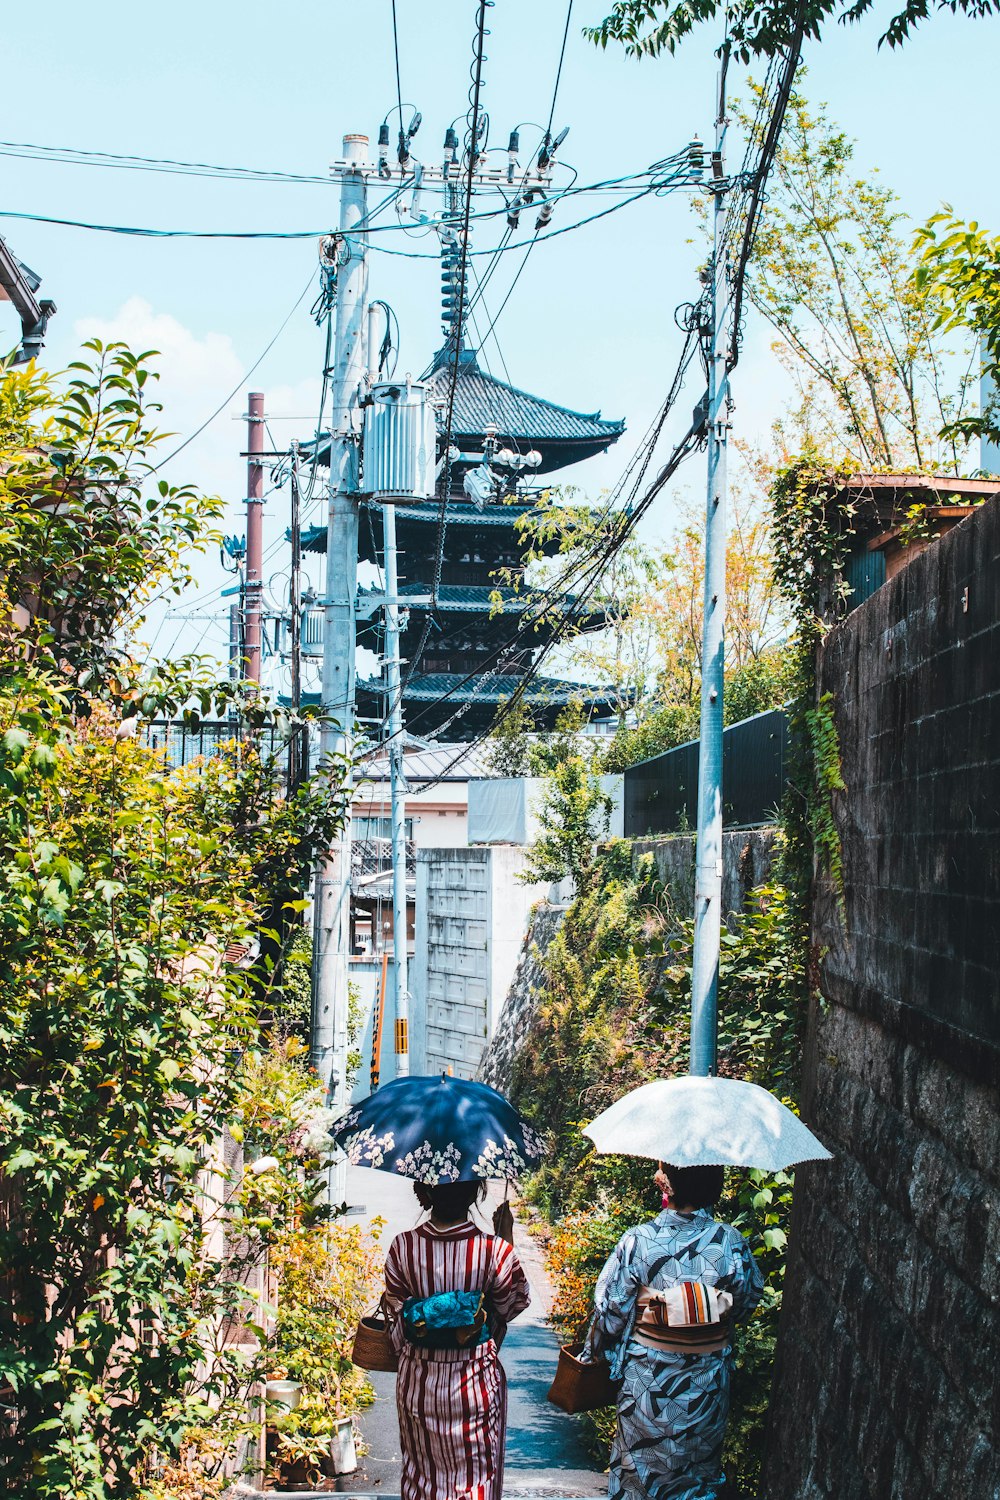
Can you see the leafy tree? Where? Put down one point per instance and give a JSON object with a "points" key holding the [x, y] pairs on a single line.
{"points": [[122, 1024], [960, 265], [647, 28], [833, 273], [88, 535], [573, 815]]}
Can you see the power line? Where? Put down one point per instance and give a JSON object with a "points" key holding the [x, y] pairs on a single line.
{"points": [[242, 380], [399, 89], [73, 156], [555, 91], [135, 231]]}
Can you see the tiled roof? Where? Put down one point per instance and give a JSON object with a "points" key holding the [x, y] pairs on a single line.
{"points": [[561, 435], [460, 599], [496, 516], [460, 514], [542, 690], [429, 763], [481, 399]]}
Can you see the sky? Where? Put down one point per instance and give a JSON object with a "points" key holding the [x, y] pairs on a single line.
{"points": [[590, 323]]}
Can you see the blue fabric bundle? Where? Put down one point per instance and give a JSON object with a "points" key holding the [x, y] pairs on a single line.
{"points": [[448, 1320]]}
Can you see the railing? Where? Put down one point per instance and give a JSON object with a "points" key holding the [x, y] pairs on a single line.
{"points": [[661, 794], [183, 744]]}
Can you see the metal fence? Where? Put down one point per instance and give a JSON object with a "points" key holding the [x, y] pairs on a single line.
{"points": [[183, 744], [661, 794]]}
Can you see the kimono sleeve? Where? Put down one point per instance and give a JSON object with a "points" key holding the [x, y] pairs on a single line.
{"points": [[397, 1290], [509, 1294], [744, 1280], [615, 1296]]}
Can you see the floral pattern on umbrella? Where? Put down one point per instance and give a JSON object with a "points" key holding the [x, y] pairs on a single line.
{"points": [[436, 1130], [366, 1149], [427, 1165]]}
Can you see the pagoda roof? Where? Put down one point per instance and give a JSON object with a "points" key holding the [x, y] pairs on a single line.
{"points": [[523, 421], [498, 516], [495, 690], [457, 598], [484, 601], [431, 701], [481, 400]]}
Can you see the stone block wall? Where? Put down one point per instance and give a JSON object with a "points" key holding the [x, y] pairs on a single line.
{"points": [[472, 913], [888, 1378]]}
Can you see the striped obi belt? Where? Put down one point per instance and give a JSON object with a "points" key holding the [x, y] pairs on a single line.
{"points": [[689, 1318]]}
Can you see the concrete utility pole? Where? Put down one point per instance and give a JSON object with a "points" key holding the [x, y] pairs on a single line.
{"points": [[333, 876], [708, 857], [397, 782], [255, 534], [397, 776]]}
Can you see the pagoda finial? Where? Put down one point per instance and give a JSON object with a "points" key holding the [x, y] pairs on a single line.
{"points": [[454, 292]]}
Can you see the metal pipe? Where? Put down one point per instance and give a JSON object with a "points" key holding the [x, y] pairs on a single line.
{"points": [[708, 852], [255, 533], [397, 785]]}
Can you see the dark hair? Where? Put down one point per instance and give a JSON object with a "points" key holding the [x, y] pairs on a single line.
{"points": [[450, 1201], [695, 1187]]}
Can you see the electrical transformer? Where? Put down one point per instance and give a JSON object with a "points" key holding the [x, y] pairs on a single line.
{"points": [[398, 459]]}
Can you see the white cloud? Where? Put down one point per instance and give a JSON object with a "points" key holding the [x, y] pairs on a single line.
{"points": [[196, 372]]}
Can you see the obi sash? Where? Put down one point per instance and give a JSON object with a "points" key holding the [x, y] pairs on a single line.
{"points": [[688, 1318]]}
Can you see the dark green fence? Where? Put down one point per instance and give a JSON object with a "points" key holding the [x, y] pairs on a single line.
{"points": [[661, 795]]}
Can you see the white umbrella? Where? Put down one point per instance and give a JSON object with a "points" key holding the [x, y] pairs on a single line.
{"points": [[697, 1122]]}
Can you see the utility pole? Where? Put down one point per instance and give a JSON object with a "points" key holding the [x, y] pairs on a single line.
{"points": [[397, 785], [397, 774], [708, 854], [235, 638], [255, 534], [333, 877], [298, 742]]}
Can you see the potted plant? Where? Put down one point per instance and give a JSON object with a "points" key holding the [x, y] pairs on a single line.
{"points": [[302, 1451]]}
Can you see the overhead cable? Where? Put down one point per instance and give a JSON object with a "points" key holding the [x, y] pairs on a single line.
{"points": [[242, 380]]}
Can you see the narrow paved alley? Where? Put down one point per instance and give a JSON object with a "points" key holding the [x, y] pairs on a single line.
{"points": [[545, 1456]]}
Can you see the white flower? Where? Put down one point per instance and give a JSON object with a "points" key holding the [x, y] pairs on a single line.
{"points": [[316, 1137]]}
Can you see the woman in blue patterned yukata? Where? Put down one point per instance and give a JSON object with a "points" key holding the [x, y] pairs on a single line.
{"points": [[664, 1307]]}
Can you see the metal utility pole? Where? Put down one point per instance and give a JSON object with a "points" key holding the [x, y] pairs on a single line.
{"points": [[333, 876], [235, 639], [295, 601], [255, 533], [708, 856], [397, 775], [397, 784], [299, 742]]}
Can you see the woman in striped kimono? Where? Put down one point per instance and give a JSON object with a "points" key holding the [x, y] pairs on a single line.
{"points": [[664, 1306], [453, 1402]]}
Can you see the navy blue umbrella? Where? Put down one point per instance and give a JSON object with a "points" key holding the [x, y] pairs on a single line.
{"points": [[439, 1129]]}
